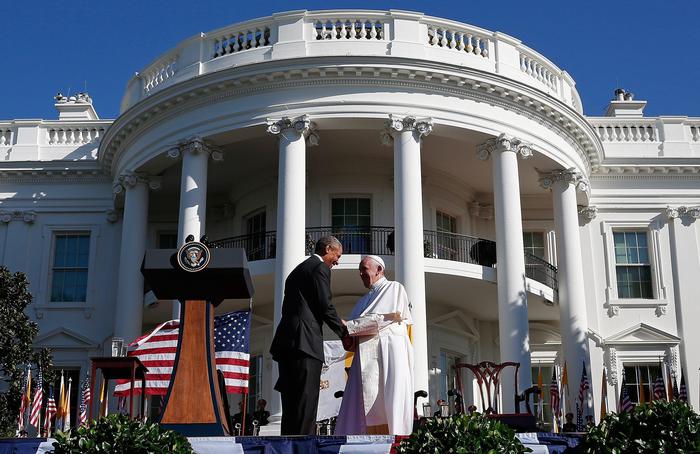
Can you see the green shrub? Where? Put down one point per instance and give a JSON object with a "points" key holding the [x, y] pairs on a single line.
{"points": [[660, 427], [462, 434], [120, 434]]}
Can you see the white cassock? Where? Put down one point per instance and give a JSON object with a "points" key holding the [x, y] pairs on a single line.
{"points": [[380, 383]]}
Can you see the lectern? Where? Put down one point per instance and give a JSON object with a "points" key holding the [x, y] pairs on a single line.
{"points": [[200, 278]]}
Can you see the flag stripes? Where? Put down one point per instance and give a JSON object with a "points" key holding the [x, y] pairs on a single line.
{"points": [[157, 350]]}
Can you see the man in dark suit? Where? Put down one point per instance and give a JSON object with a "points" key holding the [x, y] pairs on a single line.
{"points": [[298, 343]]}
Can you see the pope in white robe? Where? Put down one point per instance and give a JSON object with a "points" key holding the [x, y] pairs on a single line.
{"points": [[378, 396]]}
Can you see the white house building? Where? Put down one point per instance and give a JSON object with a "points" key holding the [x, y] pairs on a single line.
{"points": [[522, 229]]}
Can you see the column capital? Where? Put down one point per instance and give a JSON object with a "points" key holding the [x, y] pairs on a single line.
{"points": [[677, 212], [28, 216], [570, 176], [503, 142], [195, 145], [302, 125], [397, 123], [131, 179]]}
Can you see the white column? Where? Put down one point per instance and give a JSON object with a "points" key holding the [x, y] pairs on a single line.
{"points": [[513, 327], [573, 319], [684, 235], [291, 213], [193, 192], [407, 133], [128, 313]]}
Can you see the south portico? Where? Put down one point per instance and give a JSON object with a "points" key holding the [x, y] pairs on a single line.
{"points": [[408, 262]]}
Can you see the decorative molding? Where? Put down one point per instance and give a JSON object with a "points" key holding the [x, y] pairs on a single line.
{"points": [[612, 365], [112, 216], [195, 145], [570, 176], [63, 175], [503, 143], [589, 213], [681, 211], [302, 125], [40, 309], [642, 171], [7, 216], [131, 179], [549, 113], [672, 359], [420, 127]]}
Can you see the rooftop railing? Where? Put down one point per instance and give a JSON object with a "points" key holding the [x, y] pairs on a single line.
{"points": [[380, 241], [353, 32]]}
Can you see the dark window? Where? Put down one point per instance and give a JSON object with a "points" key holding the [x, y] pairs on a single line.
{"points": [[69, 272], [255, 226], [350, 222], [641, 378], [167, 240], [446, 241], [632, 265]]}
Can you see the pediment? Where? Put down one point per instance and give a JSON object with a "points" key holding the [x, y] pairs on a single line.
{"points": [[64, 338], [642, 334], [457, 322]]}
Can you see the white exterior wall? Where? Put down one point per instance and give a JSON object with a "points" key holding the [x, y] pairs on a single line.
{"points": [[637, 168]]}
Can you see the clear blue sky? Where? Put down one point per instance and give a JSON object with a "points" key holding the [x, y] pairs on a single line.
{"points": [[651, 48]]}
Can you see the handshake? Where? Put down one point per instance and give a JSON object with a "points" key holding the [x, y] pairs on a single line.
{"points": [[349, 342]]}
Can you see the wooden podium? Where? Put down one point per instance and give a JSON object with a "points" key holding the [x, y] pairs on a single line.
{"points": [[193, 404]]}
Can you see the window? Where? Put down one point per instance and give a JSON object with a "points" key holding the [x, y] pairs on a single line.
{"points": [[534, 243], [350, 221], [254, 382], [542, 409], [446, 241], [69, 272], [167, 240], [633, 268], [641, 378], [448, 380], [255, 226], [71, 379]]}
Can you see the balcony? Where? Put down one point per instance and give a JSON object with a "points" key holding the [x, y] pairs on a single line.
{"points": [[380, 241]]}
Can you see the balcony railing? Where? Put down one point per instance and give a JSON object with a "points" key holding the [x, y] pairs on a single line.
{"points": [[380, 241]]}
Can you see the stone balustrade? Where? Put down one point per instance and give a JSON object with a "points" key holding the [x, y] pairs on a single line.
{"points": [[331, 33], [74, 135], [537, 68], [159, 73], [5, 136], [463, 39], [632, 130], [348, 29], [695, 132]]}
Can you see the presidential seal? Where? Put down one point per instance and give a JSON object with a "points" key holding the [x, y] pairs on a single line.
{"points": [[193, 256]]}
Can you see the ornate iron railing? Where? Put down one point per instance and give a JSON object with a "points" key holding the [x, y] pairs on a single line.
{"points": [[380, 241]]}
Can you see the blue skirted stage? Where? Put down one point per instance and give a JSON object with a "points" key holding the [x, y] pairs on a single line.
{"points": [[540, 443]]}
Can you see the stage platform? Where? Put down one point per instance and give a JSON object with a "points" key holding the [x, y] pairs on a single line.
{"points": [[540, 443]]}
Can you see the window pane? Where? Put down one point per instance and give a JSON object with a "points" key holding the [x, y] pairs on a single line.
{"points": [[337, 207], [632, 256], [350, 206], [363, 207], [619, 239], [70, 267], [642, 239]]}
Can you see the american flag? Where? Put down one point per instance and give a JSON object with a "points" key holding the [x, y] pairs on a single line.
{"points": [[85, 398], [626, 404], [583, 387], [683, 392], [35, 414], [156, 350], [26, 399], [554, 396], [50, 412], [659, 387]]}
